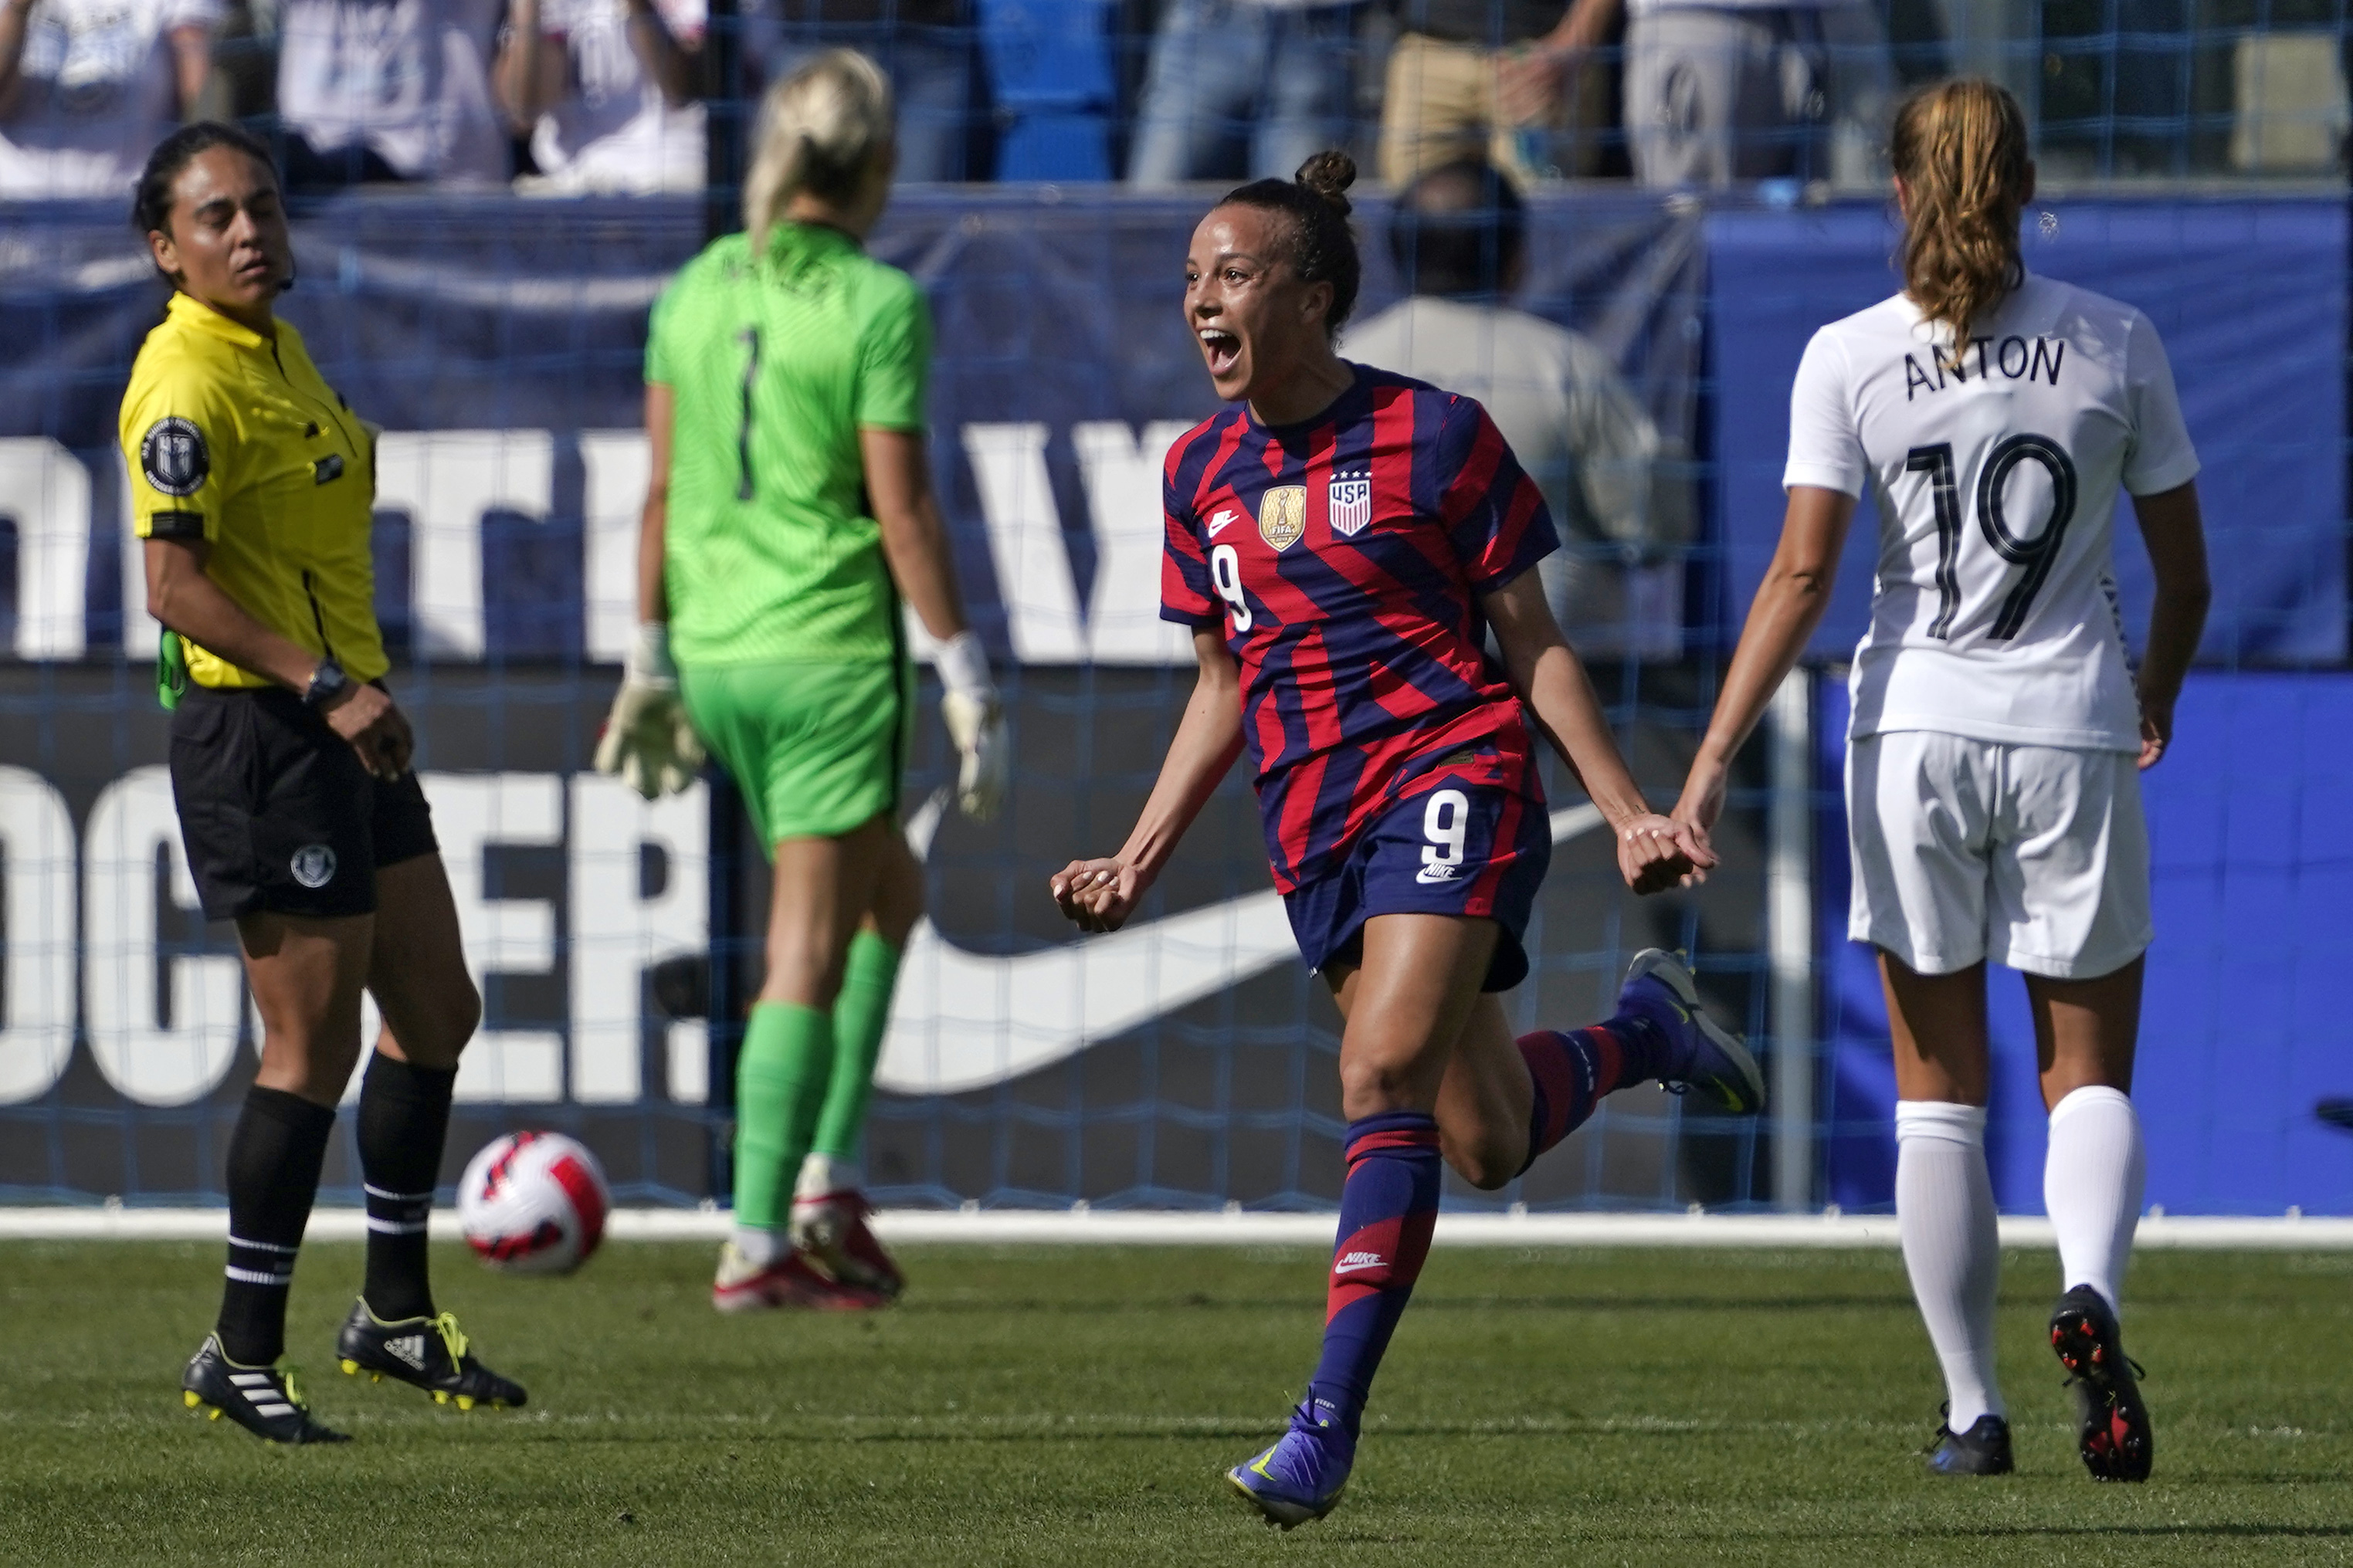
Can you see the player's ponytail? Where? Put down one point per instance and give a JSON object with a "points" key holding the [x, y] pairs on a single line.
{"points": [[1960, 149], [1321, 247], [821, 129]]}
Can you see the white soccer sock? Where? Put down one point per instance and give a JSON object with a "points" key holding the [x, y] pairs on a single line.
{"points": [[760, 1246], [2092, 1185], [1945, 1217]]}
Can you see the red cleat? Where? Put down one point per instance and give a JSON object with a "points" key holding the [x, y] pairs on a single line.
{"points": [[832, 1229], [743, 1286]]}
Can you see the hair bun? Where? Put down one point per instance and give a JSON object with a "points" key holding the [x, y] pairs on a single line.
{"points": [[1327, 175]]}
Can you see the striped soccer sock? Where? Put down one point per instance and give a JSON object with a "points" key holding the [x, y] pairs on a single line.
{"points": [[1388, 1209], [1572, 1070], [404, 1120], [273, 1174]]}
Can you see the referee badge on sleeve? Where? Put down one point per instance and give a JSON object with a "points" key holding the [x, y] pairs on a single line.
{"points": [[173, 457]]}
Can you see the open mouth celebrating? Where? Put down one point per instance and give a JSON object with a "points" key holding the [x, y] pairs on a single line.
{"points": [[1221, 349]]}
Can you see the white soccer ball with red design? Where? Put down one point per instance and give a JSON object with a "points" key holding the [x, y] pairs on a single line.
{"points": [[533, 1202]]}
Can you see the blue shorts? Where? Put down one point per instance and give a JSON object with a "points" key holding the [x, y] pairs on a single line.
{"points": [[1478, 851]]}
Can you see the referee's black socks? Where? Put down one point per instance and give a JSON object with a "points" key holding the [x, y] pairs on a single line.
{"points": [[404, 1119], [273, 1174]]}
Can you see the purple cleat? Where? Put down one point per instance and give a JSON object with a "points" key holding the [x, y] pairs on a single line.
{"points": [[1701, 1053], [1303, 1476]]}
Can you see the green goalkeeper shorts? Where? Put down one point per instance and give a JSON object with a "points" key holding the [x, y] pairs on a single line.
{"points": [[816, 748]]}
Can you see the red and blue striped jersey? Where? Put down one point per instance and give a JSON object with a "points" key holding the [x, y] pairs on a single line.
{"points": [[1347, 556]]}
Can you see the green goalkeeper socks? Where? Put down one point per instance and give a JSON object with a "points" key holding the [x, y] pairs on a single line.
{"points": [[861, 1014], [780, 1081]]}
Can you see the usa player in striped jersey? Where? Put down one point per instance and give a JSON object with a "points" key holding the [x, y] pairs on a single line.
{"points": [[1341, 541], [1993, 792]]}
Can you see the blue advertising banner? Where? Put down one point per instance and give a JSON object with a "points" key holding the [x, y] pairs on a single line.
{"points": [[2250, 300], [2242, 1030]]}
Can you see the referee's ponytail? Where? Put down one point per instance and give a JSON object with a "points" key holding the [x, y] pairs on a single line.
{"points": [[1960, 149], [820, 130], [1322, 246]]}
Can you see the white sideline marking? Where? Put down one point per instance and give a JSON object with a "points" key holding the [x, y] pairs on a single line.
{"points": [[1145, 1227]]}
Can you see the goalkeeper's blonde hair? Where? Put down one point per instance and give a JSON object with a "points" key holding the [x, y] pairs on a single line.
{"points": [[821, 129]]}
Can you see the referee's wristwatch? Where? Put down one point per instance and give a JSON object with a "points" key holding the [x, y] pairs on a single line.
{"points": [[327, 683]]}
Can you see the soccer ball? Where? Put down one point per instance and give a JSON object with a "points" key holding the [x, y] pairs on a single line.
{"points": [[533, 1202]]}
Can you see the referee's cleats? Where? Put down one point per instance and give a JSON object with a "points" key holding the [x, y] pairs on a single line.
{"points": [[263, 1400], [1982, 1451], [2111, 1422], [1701, 1054], [1303, 1476], [429, 1353]]}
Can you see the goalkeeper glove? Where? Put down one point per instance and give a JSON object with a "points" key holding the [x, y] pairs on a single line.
{"points": [[647, 740], [975, 720]]}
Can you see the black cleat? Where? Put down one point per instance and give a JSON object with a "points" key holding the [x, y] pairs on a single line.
{"points": [[1982, 1451], [426, 1353], [2111, 1422], [261, 1399]]}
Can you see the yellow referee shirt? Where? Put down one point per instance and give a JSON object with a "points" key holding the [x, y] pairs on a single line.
{"points": [[234, 438]]}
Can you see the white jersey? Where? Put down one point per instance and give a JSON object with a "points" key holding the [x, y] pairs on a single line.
{"points": [[98, 92], [1996, 470]]}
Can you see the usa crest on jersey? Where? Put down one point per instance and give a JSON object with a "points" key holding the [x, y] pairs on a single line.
{"points": [[1350, 501]]}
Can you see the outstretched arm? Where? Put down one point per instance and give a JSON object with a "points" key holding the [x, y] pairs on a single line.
{"points": [[1654, 852], [1099, 895], [1789, 606]]}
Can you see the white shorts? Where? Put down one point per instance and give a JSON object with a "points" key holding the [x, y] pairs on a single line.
{"points": [[2034, 857]]}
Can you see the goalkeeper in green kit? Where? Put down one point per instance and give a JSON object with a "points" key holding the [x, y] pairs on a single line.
{"points": [[789, 508]]}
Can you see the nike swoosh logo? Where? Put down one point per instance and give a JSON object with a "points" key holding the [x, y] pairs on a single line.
{"points": [[964, 1020], [1219, 523], [1351, 1267]]}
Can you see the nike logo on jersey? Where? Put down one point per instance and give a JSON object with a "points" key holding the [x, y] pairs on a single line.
{"points": [[1219, 523], [954, 1025], [1439, 871], [1355, 1260]]}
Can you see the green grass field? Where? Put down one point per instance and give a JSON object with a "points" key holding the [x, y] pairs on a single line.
{"points": [[1075, 1406]]}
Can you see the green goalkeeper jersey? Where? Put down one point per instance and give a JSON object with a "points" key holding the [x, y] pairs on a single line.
{"points": [[775, 367]]}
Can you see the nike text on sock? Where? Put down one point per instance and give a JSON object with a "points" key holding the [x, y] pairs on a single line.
{"points": [[1389, 1206], [2093, 1180], [1952, 1250], [404, 1121], [274, 1156]]}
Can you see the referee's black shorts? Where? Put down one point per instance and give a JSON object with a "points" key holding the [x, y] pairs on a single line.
{"points": [[277, 812]]}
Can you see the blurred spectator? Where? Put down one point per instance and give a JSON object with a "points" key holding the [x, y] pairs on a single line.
{"points": [[605, 88], [89, 87], [925, 47], [1623, 510], [1736, 91], [1245, 89], [389, 89], [244, 81], [1497, 79]]}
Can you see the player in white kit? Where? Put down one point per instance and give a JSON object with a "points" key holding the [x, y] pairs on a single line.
{"points": [[1993, 795]]}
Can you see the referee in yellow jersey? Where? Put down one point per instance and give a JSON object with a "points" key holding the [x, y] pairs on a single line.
{"points": [[252, 484]]}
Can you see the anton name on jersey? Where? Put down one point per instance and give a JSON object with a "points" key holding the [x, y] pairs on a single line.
{"points": [[2012, 357]]}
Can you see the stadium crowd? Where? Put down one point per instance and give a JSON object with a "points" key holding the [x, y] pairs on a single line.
{"points": [[571, 97]]}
